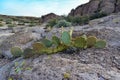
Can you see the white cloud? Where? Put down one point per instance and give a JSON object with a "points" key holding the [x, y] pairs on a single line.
{"points": [[39, 8]]}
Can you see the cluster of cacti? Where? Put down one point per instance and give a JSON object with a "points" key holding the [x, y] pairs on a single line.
{"points": [[59, 44]]}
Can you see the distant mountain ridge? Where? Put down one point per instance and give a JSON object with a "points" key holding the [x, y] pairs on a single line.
{"points": [[93, 6]]}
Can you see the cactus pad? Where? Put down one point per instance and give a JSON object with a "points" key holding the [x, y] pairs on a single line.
{"points": [[66, 38], [47, 42], [80, 42], [100, 44], [56, 40], [91, 40], [28, 53], [16, 51], [38, 47]]}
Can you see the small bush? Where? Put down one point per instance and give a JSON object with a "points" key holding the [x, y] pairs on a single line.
{"points": [[97, 15], [80, 20], [32, 24], [1, 19], [11, 25], [52, 23], [8, 21], [63, 23]]}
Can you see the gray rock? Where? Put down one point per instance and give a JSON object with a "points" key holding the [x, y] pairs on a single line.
{"points": [[5, 70]]}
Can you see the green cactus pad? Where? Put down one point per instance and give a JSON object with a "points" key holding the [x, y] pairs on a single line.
{"points": [[80, 42], [100, 44], [91, 40], [28, 53], [38, 47], [66, 38], [56, 40], [16, 51], [47, 42]]}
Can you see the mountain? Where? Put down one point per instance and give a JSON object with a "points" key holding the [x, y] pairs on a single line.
{"points": [[93, 6]]}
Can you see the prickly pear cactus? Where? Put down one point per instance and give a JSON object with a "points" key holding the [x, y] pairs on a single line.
{"points": [[56, 40], [38, 48], [66, 38], [28, 53], [80, 42], [100, 44], [91, 40], [16, 51], [47, 42]]}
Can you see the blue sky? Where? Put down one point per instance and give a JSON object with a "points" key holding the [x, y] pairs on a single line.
{"points": [[38, 7]]}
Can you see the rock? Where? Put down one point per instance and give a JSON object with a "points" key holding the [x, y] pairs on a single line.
{"points": [[19, 39], [53, 67], [83, 64], [48, 17], [93, 6], [5, 70]]}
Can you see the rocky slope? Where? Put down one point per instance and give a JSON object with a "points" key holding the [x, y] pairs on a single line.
{"points": [[105, 6], [89, 64]]}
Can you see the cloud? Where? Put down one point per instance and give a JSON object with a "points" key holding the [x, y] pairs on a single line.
{"points": [[38, 8]]}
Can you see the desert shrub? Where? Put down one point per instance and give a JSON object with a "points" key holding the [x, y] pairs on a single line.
{"points": [[31, 24], [63, 23], [79, 20], [11, 25], [9, 21], [69, 18], [21, 23], [1, 19], [52, 23], [97, 15]]}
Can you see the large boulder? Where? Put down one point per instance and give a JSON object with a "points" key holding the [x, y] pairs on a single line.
{"points": [[18, 39]]}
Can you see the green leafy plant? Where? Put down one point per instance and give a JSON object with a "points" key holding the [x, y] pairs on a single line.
{"points": [[64, 23], [16, 51], [52, 23]]}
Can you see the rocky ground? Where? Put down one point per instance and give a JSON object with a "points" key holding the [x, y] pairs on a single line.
{"points": [[88, 64]]}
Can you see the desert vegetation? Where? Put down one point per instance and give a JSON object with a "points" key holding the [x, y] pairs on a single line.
{"points": [[57, 44], [67, 21]]}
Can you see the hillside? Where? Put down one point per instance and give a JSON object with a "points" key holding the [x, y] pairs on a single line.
{"points": [[81, 64], [84, 45]]}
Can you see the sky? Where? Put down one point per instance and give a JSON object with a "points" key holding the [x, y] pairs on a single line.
{"points": [[38, 7]]}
